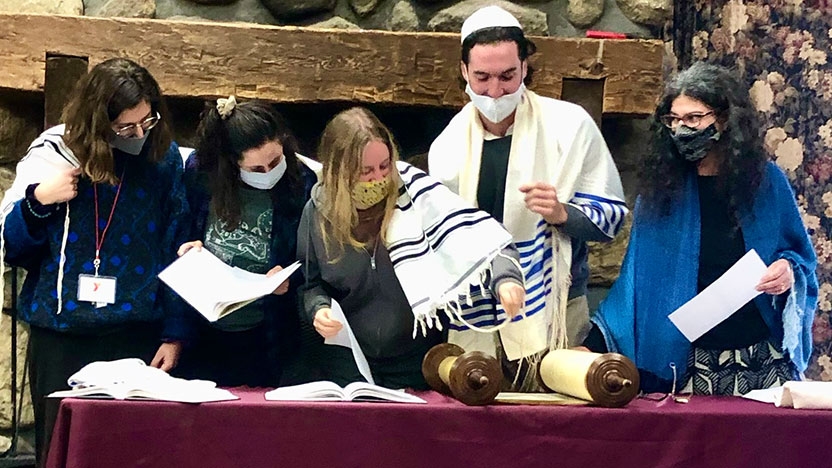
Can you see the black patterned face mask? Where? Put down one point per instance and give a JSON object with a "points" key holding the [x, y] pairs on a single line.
{"points": [[693, 144]]}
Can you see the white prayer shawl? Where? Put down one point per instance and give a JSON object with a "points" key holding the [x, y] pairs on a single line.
{"points": [[554, 142], [46, 157], [439, 244]]}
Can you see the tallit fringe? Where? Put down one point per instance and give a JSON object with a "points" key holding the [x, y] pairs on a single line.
{"points": [[557, 318], [529, 382], [60, 286], [451, 302]]}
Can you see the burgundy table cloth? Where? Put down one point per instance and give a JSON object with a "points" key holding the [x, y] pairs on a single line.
{"points": [[252, 432]]}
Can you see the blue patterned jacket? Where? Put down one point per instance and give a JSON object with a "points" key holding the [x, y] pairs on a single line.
{"points": [[148, 225]]}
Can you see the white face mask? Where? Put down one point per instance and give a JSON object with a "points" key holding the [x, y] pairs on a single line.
{"points": [[264, 180], [496, 110]]}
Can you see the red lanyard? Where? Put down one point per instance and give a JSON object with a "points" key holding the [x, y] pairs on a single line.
{"points": [[99, 238]]}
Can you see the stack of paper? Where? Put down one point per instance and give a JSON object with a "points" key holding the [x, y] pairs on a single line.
{"points": [[215, 289], [132, 379]]}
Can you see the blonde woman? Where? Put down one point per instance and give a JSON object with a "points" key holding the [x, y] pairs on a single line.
{"points": [[388, 243]]}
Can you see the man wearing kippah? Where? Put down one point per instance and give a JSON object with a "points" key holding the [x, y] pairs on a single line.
{"points": [[541, 167]]}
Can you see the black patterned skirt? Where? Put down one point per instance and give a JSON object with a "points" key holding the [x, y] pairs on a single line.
{"points": [[738, 371]]}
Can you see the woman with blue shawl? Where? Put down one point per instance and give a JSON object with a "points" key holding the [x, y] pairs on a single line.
{"points": [[707, 195]]}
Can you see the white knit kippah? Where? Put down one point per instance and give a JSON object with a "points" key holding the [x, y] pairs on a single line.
{"points": [[488, 17]]}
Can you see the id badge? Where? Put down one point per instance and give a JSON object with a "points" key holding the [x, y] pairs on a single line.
{"points": [[100, 290]]}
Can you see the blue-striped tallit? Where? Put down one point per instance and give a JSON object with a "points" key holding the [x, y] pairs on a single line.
{"points": [[439, 244]]}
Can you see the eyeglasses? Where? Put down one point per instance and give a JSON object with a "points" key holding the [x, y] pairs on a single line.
{"points": [[688, 120], [130, 130], [676, 397]]}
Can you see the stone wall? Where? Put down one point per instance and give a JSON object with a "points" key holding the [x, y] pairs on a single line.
{"points": [[21, 115], [542, 17], [21, 119]]}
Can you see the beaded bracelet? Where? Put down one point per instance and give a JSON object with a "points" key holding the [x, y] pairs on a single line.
{"points": [[35, 213], [30, 195]]}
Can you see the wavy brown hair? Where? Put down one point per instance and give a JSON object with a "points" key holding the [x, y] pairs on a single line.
{"points": [[110, 88], [341, 150]]}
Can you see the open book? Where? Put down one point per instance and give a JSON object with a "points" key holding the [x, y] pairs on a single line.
{"points": [[329, 391], [127, 379], [216, 289]]}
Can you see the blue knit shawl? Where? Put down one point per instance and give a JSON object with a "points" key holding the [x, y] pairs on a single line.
{"points": [[660, 271]]}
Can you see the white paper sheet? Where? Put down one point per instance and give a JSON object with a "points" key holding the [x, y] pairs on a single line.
{"points": [[765, 395], [346, 338], [721, 299]]}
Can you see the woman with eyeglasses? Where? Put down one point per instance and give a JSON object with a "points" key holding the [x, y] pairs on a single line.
{"points": [[96, 210], [708, 195], [247, 188]]}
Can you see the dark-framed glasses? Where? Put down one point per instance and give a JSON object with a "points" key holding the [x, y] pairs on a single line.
{"points": [[130, 130], [688, 120]]}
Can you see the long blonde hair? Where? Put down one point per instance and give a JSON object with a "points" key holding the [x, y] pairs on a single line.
{"points": [[341, 150]]}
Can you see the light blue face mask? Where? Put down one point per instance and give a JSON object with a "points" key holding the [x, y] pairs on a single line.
{"points": [[128, 145], [264, 180]]}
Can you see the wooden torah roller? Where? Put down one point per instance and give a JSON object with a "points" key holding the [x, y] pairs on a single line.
{"points": [[610, 380], [473, 378]]}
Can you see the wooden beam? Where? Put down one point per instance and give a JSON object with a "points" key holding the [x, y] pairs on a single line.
{"points": [[292, 64]]}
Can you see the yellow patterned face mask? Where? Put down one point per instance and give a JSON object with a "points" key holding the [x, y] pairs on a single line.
{"points": [[367, 194]]}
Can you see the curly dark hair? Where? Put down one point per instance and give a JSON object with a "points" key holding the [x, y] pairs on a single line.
{"points": [[525, 47], [742, 159], [219, 151]]}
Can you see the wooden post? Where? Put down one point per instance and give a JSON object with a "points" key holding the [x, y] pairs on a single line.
{"points": [[588, 94], [62, 72]]}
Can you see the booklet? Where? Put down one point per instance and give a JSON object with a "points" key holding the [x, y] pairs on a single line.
{"points": [[216, 289], [132, 379], [329, 391]]}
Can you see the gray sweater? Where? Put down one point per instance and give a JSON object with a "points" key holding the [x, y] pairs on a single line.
{"points": [[372, 298]]}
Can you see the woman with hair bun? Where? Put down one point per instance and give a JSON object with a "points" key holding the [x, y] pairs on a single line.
{"points": [[247, 188]]}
